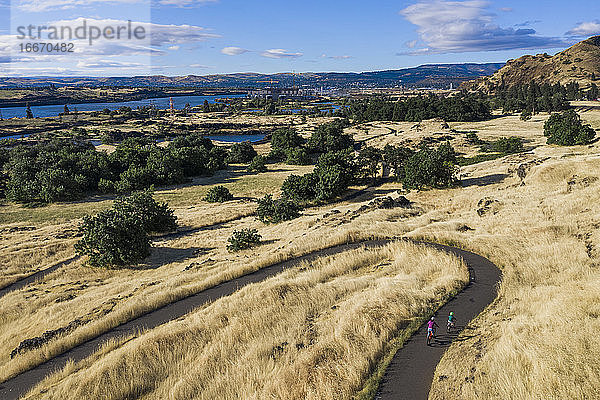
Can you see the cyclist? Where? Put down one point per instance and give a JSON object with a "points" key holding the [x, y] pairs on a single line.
{"points": [[431, 328], [451, 320]]}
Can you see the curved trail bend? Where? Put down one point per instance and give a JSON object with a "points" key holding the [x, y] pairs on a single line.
{"points": [[410, 372], [408, 376]]}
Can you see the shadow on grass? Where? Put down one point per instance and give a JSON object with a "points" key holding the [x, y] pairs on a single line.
{"points": [[484, 180], [162, 256]]}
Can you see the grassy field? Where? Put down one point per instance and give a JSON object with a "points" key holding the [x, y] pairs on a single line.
{"points": [[312, 332], [535, 341]]}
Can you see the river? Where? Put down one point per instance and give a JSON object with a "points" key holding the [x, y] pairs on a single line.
{"points": [[161, 103]]}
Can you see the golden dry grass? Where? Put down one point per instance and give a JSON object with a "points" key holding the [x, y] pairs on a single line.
{"points": [[536, 341], [312, 332], [110, 297]]}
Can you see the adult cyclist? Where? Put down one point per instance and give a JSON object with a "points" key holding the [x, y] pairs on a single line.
{"points": [[451, 321], [431, 325]]}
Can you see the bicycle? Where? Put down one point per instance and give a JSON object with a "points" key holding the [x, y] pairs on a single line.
{"points": [[430, 336], [450, 326]]}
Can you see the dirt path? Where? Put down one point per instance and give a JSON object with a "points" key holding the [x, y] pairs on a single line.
{"points": [[408, 376], [19, 385], [410, 373]]}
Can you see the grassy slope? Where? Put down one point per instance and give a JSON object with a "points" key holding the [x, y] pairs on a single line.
{"points": [[544, 254], [312, 332]]}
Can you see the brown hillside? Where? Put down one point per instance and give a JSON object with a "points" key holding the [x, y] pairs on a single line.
{"points": [[579, 63]]}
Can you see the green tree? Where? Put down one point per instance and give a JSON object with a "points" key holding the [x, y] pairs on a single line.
{"points": [[430, 168], [241, 153], [566, 129], [526, 115], [258, 164], [395, 157], [155, 217], [369, 160], [113, 239]]}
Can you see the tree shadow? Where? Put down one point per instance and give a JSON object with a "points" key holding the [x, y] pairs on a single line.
{"points": [[484, 180], [162, 256]]}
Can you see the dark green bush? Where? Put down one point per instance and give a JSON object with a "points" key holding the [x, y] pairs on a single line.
{"points": [[113, 239], [155, 217], [330, 137], [218, 194], [508, 145], [566, 129], [300, 188], [243, 239], [241, 153], [271, 211], [431, 168], [285, 139], [258, 164], [297, 156]]}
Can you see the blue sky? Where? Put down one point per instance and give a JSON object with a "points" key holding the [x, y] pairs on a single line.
{"points": [[226, 36]]}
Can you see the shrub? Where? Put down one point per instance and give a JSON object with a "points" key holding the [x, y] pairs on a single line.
{"points": [[113, 239], [155, 217], [430, 168], [566, 129], [243, 239], [241, 153], [330, 138], [472, 138], [218, 194], [285, 139], [274, 211], [395, 157], [526, 115], [300, 188], [508, 145], [258, 164], [297, 156]]}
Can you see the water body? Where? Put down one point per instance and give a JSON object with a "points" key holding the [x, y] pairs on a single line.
{"points": [[220, 138], [237, 138], [161, 103]]}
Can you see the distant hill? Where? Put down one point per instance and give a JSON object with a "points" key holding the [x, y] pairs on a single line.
{"points": [[435, 75], [579, 63]]}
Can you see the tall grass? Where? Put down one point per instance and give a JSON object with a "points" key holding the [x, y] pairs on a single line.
{"points": [[313, 332]]}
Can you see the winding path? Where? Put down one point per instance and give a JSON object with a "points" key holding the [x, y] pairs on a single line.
{"points": [[410, 372], [408, 377]]}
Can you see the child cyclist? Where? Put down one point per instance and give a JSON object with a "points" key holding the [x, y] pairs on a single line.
{"points": [[451, 320], [431, 324]]}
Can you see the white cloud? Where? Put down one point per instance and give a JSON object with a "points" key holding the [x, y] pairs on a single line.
{"points": [[233, 51], [108, 64], [199, 66], [174, 48], [591, 28], [411, 44], [336, 57], [280, 53], [465, 26]]}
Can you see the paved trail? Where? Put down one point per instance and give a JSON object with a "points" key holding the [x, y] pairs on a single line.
{"points": [[410, 373], [408, 377]]}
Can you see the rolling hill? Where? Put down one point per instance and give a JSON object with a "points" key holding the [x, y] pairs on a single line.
{"points": [[579, 63], [434, 75]]}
